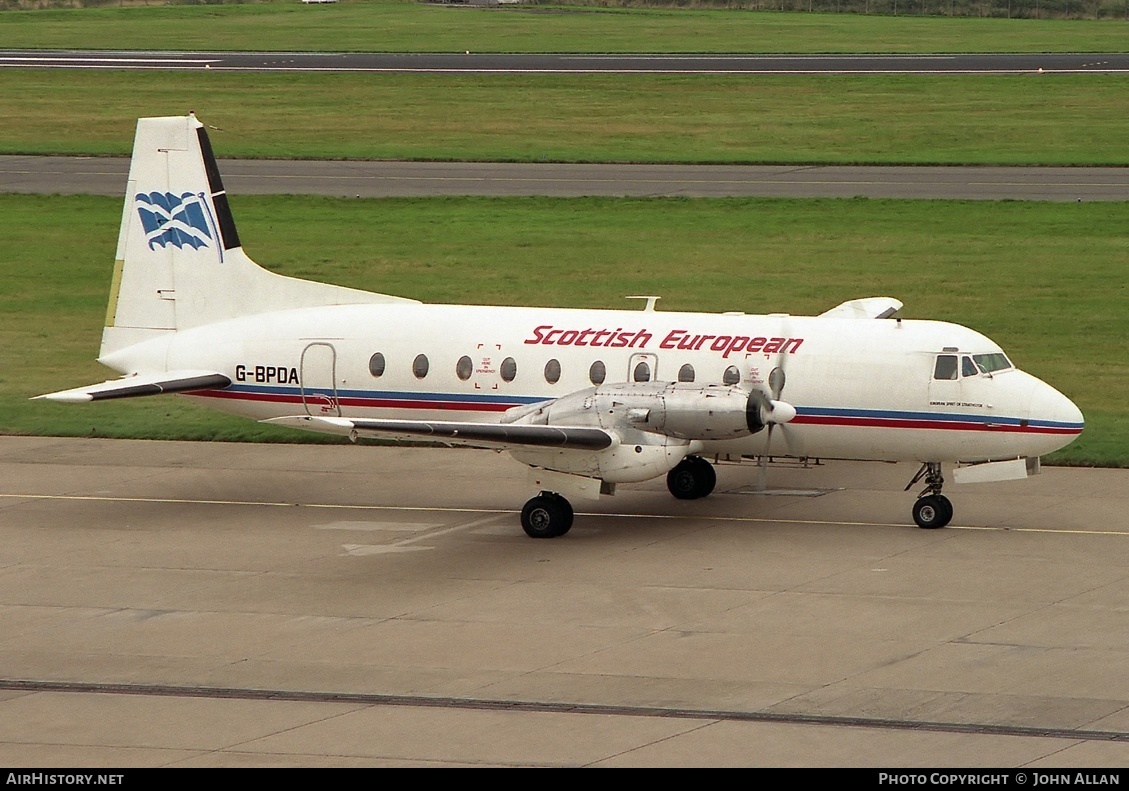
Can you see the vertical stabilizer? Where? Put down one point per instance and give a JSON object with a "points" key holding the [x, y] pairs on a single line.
{"points": [[179, 262]]}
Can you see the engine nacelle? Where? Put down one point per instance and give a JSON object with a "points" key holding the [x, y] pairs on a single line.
{"points": [[674, 409], [621, 463], [708, 412]]}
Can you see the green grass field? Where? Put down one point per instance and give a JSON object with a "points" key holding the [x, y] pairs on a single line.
{"points": [[1044, 280], [1016, 120], [408, 26]]}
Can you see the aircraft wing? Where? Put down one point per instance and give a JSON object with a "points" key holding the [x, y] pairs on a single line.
{"points": [[477, 434], [142, 385], [866, 308]]}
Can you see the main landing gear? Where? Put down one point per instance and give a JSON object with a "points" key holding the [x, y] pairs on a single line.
{"points": [[932, 508], [691, 478], [547, 515]]}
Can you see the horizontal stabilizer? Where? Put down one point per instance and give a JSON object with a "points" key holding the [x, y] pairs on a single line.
{"points": [[493, 434], [866, 308], [142, 385]]}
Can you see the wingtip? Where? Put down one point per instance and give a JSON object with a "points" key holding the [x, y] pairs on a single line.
{"points": [[64, 397]]}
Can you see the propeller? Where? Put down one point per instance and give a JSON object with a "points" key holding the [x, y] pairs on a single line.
{"points": [[775, 412]]}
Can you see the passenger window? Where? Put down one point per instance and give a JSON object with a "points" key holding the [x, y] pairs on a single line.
{"points": [[642, 372], [776, 380], [731, 376], [686, 373], [376, 365], [553, 371], [464, 368], [508, 369], [946, 367], [597, 373], [967, 367], [420, 366]]}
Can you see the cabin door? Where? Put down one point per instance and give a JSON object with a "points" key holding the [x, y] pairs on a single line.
{"points": [[944, 386], [319, 380]]}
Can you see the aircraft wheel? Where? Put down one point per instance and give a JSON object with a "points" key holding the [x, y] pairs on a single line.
{"points": [[547, 515], [691, 478], [932, 511]]}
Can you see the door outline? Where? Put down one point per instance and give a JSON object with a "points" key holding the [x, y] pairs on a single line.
{"points": [[650, 359], [945, 392], [319, 380]]}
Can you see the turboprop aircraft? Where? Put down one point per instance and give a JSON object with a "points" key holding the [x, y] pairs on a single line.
{"points": [[588, 399]]}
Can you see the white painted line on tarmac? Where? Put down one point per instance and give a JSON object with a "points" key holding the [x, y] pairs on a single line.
{"points": [[259, 503], [83, 62], [396, 527], [500, 511], [406, 544]]}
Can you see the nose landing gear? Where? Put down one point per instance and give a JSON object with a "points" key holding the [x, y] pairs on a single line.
{"points": [[932, 509]]}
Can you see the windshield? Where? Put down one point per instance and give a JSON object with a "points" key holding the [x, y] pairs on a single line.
{"points": [[990, 363]]}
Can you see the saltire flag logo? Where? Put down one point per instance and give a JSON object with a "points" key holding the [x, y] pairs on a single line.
{"points": [[169, 219]]}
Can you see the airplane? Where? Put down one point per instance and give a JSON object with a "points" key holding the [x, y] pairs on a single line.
{"points": [[587, 399]]}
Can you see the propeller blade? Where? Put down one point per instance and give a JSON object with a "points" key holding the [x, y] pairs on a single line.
{"points": [[762, 463], [775, 412]]}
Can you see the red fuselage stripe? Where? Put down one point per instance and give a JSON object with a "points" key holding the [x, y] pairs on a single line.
{"points": [[811, 420]]}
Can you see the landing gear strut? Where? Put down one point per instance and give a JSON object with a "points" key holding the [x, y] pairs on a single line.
{"points": [[691, 478], [932, 508], [548, 515]]}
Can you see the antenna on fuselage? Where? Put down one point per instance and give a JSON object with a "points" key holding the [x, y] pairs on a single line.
{"points": [[650, 306]]}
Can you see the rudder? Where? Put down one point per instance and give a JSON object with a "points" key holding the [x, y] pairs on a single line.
{"points": [[176, 225], [179, 261]]}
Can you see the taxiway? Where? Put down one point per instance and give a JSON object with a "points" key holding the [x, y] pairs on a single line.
{"points": [[376, 179], [222, 604]]}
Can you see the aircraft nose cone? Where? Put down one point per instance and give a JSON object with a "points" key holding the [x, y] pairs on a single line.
{"points": [[1052, 411]]}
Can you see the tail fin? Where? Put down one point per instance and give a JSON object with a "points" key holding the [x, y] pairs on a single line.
{"points": [[179, 262]]}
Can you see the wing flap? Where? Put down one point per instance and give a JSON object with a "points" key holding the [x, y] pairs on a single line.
{"points": [[142, 385], [493, 434]]}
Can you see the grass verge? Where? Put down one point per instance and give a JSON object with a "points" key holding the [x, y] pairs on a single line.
{"points": [[1005, 120], [408, 26]]}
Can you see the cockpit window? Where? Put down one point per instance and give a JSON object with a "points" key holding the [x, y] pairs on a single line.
{"points": [[946, 367], [990, 363], [967, 368]]}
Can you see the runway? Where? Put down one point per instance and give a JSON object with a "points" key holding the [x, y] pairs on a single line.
{"points": [[223, 604], [107, 176], [574, 63]]}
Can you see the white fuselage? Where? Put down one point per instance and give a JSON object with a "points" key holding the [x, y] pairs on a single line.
{"points": [[587, 399], [862, 388]]}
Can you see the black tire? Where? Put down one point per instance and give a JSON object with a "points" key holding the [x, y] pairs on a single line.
{"points": [[691, 478], [546, 516], [932, 511]]}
